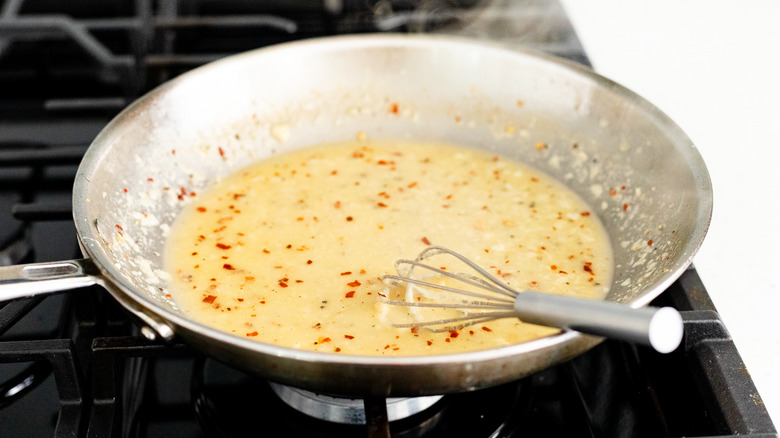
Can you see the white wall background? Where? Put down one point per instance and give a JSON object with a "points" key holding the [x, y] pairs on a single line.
{"points": [[714, 67]]}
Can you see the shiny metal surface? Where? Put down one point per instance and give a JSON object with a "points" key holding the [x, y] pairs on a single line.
{"points": [[638, 170], [19, 281], [348, 410]]}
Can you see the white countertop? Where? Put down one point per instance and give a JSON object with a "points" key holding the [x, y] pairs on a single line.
{"points": [[714, 67]]}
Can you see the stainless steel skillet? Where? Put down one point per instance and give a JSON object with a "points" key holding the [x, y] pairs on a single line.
{"points": [[635, 167]]}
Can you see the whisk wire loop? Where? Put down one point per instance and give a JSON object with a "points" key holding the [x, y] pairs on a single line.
{"points": [[397, 279], [436, 250], [449, 324]]}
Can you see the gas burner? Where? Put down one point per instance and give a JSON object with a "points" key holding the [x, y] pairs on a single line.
{"points": [[348, 410], [228, 403]]}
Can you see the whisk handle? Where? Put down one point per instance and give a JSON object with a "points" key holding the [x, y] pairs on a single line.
{"points": [[661, 328]]}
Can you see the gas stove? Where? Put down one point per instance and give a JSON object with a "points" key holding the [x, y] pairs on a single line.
{"points": [[74, 364]]}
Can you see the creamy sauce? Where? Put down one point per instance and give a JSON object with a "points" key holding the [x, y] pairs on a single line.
{"points": [[290, 250]]}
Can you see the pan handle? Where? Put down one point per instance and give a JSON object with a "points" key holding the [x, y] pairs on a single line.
{"points": [[20, 281]]}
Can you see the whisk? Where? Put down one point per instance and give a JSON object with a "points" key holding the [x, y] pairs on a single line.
{"points": [[483, 297]]}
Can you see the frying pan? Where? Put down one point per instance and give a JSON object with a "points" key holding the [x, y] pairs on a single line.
{"points": [[639, 172]]}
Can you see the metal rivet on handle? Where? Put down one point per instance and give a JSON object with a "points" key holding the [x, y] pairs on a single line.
{"points": [[148, 333]]}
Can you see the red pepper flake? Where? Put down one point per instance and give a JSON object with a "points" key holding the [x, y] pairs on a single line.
{"points": [[201, 209], [393, 108], [254, 333], [124, 190], [412, 185], [221, 151], [562, 272], [209, 299], [487, 329], [429, 342], [240, 300], [612, 192], [454, 333], [350, 294], [265, 251], [415, 330], [150, 179], [534, 179], [426, 241], [362, 271], [587, 267], [119, 227], [337, 204], [168, 295], [323, 340], [381, 204], [337, 349], [349, 337], [585, 213], [447, 340], [228, 266], [223, 246], [282, 284], [308, 262], [353, 283], [650, 242], [349, 219], [625, 207], [347, 273], [553, 267]]}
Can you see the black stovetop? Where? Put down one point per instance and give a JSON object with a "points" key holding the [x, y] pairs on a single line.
{"points": [[74, 364]]}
